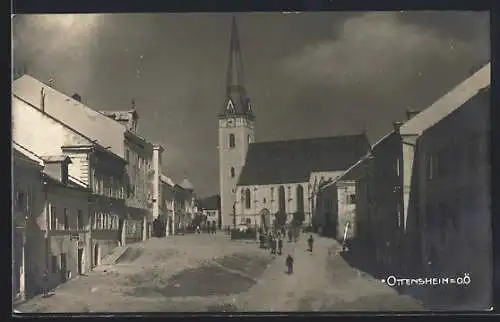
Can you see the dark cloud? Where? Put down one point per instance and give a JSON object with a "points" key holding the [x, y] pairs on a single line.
{"points": [[308, 74]]}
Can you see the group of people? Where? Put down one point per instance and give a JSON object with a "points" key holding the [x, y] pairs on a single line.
{"points": [[210, 227], [273, 240]]}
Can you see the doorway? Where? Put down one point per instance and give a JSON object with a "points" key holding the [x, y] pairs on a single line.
{"points": [[96, 255], [80, 261]]}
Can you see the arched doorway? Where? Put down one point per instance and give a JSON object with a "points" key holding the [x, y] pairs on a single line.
{"points": [[265, 218]]}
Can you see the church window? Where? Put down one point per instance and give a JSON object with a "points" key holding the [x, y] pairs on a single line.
{"points": [[247, 199], [232, 172], [232, 141], [300, 198], [281, 199]]}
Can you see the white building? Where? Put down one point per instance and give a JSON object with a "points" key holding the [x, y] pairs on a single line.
{"points": [[117, 131]]}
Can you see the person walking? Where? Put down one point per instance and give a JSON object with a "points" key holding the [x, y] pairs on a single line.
{"points": [[280, 245], [45, 283], [310, 242], [273, 245], [290, 235], [289, 264]]}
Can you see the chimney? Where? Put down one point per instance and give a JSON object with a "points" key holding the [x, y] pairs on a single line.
{"points": [[42, 99], [396, 125], [411, 113], [76, 97]]}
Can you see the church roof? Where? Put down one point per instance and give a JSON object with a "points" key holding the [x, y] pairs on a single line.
{"points": [[293, 161]]}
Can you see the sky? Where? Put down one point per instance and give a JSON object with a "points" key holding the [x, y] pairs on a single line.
{"points": [[309, 74]]}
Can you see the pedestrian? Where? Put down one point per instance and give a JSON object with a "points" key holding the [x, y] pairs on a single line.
{"points": [[280, 245], [289, 264], [273, 245], [214, 228], [310, 242], [289, 235], [45, 283]]}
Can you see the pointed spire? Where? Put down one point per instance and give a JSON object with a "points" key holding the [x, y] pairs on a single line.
{"points": [[235, 67], [236, 101]]}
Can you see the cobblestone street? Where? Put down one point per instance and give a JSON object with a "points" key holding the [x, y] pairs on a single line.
{"points": [[210, 273]]}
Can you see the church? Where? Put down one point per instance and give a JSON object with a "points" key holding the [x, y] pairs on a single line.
{"points": [[258, 180]]}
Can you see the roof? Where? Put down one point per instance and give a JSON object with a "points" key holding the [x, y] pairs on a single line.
{"points": [[167, 180], [353, 173], [91, 143], [185, 184], [25, 155], [210, 203], [71, 112], [448, 103], [293, 161], [56, 158]]}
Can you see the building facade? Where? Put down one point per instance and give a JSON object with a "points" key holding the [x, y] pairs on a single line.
{"points": [[335, 213], [99, 169], [451, 205], [284, 177], [210, 209], [425, 192], [115, 130], [27, 195]]}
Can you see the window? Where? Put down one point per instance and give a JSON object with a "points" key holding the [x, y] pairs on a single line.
{"points": [[232, 172], [232, 142], [79, 220], [53, 218], [289, 193], [397, 167], [281, 199], [54, 264], [272, 193], [20, 201], [66, 219], [98, 222], [264, 200], [64, 173], [94, 221], [300, 198], [247, 199], [351, 199]]}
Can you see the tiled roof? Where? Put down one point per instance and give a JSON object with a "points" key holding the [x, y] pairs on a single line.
{"points": [[69, 111], [448, 103], [210, 203], [293, 161]]}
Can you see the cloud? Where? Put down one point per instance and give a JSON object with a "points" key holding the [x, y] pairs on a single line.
{"points": [[374, 47]]}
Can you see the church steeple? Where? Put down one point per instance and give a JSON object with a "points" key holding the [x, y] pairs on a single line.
{"points": [[236, 100]]}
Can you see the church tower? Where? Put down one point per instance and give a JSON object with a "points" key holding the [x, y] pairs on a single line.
{"points": [[236, 130]]}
